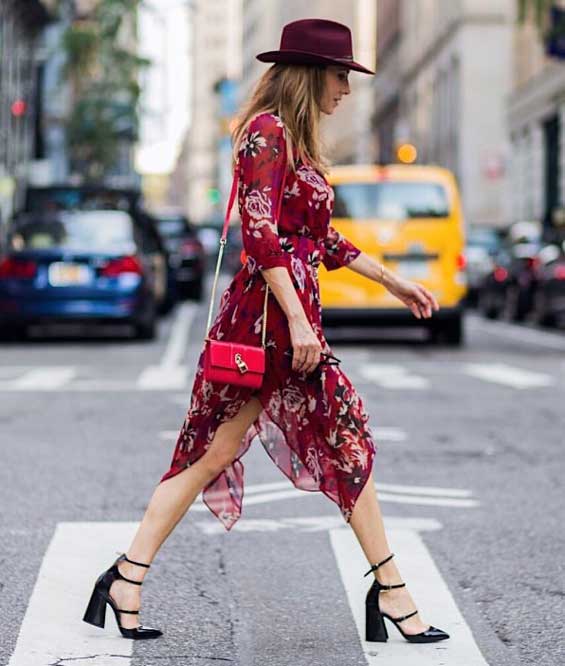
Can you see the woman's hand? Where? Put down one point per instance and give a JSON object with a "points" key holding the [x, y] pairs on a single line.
{"points": [[419, 299], [305, 345]]}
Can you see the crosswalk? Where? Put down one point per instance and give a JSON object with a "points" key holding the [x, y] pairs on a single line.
{"points": [[52, 631], [176, 376]]}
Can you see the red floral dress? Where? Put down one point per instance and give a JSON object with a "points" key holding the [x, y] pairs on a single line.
{"points": [[313, 425]]}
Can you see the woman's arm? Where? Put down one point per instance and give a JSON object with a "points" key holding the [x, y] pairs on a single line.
{"points": [[262, 158], [305, 345], [419, 299]]}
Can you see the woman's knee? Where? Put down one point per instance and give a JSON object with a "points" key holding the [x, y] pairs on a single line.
{"points": [[227, 440], [220, 454]]}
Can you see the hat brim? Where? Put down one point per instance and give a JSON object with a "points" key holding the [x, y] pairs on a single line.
{"points": [[291, 57]]}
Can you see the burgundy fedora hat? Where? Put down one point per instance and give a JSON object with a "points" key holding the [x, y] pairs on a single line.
{"points": [[315, 42]]}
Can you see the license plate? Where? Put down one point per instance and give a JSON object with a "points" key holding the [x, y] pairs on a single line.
{"points": [[64, 274], [413, 270]]}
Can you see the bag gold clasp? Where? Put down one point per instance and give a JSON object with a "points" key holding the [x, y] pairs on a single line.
{"points": [[241, 364]]}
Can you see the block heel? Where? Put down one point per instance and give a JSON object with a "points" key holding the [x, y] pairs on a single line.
{"points": [[375, 629], [96, 610]]}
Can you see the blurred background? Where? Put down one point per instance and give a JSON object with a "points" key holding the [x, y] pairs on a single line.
{"points": [[127, 105]]}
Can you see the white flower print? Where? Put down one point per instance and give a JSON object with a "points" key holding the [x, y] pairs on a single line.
{"points": [[293, 191], [252, 144], [312, 178], [292, 398], [258, 204], [313, 464], [275, 403], [255, 226], [298, 271]]}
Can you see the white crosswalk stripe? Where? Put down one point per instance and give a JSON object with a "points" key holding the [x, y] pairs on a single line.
{"points": [[426, 584], [175, 377], [508, 375], [52, 630], [393, 376]]}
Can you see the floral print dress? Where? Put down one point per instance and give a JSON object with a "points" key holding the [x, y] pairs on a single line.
{"points": [[313, 425]]}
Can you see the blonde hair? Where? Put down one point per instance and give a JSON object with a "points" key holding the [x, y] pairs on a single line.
{"points": [[294, 93]]}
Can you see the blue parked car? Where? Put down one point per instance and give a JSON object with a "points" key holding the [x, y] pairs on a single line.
{"points": [[87, 266]]}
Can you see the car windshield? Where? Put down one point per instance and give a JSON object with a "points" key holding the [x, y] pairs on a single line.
{"points": [[95, 231], [172, 227], [390, 200], [486, 238]]}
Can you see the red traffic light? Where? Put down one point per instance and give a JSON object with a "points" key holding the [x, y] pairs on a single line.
{"points": [[18, 108]]}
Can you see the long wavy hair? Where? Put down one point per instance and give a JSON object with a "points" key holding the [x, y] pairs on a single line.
{"points": [[294, 93]]}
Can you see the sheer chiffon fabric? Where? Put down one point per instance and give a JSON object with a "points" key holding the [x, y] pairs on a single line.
{"points": [[313, 425]]}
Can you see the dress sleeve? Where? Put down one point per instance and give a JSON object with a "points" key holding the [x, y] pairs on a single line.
{"points": [[262, 160], [339, 251]]}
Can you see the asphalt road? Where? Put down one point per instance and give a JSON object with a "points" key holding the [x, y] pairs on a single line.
{"points": [[469, 468]]}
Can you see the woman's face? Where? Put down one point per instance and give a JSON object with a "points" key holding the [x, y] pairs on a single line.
{"points": [[337, 84]]}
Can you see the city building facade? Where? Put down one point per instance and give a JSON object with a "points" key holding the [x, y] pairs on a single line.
{"points": [[444, 74], [21, 23], [536, 117]]}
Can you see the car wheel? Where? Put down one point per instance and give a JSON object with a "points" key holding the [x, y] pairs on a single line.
{"points": [[13, 332], [539, 311], [193, 291], [449, 331], [146, 329], [485, 307], [454, 330]]}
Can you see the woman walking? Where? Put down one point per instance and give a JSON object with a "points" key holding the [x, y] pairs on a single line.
{"points": [[306, 413]]}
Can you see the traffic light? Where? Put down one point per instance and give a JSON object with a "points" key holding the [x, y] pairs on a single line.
{"points": [[213, 195], [18, 108]]}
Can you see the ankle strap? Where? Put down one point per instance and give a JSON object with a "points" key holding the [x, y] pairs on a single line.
{"points": [[376, 566], [391, 587], [139, 564]]}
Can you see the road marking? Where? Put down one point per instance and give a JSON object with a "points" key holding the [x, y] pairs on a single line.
{"points": [[389, 434], [178, 338], [45, 378], [392, 376], [52, 631], [309, 524], [162, 378], [171, 374], [508, 375], [521, 333], [422, 495], [431, 595]]}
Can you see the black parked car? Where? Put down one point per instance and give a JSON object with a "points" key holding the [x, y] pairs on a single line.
{"points": [[186, 254], [549, 292], [80, 266], [482, 245], [507, 289]]}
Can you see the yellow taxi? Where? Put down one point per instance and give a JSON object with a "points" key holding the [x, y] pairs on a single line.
{"points": [[409, 218]]}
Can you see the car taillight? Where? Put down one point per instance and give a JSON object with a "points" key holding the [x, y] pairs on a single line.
{"points": [[17, 268], [559, 272], [116, 267], [190, 248], [533, 262], [500, 274], [461, 262]]}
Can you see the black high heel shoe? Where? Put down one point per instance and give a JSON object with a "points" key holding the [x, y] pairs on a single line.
{"points": [[375, 629], [96, 610]]}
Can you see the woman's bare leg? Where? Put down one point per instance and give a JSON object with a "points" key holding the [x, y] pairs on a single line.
{"points": [[171, 500], [367, 523]]}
